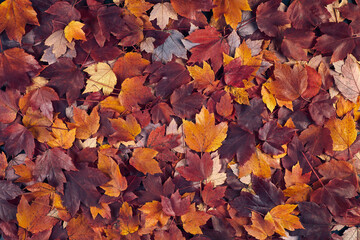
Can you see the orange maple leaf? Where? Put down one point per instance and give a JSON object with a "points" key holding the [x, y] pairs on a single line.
{"points": [[14, 15]]}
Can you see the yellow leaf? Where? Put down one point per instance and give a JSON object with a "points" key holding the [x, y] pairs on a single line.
{"points": [[125, 130], [37, 124], [62, 136], [256, 165], [204, 78], [154, 214], [192, 220], [268, 98], [104, 211], [73, 31], [299, 192], [143, 160], [261, 228], [231, 9], [137, 7], [101, 77], [86, 125], [14, 15], [112, 103], [127, 222], [343, 106], [296, 176], [108, 166], [343, 132], [241, 96], [204, 135], [244, 53], [283, 218]]}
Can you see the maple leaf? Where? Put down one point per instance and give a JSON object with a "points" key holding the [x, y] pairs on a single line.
{"points": [[266, 196], [192, 9], [73, 31], [225, 106], [175, 205], [236, 72], [296, 42], [239, 143], [137, 7], [283, 219], [197, 169], [143, 160], [321, 108], [81, 186], [162, 12], [40, 98], [49, 165], [34, 217], [269, 19], [261, 228], [167, 77], [348, 81], [307, 14], [185, 103], [288, 88], [172, 46], [101, 77], [14, 15], [213, 196], [79, 228], [58, 43], [211, 46], [204, 135], [331, 41], [192, 220], [274, 137], [163, 143], [130, 65], [232, 10], [127, 222], [65, 78], [37, 125], [17, 67], [85, 125], [343, 132], [18, 138], [204, 78], [126, 130], [296, 176], [316, 219], [118, 182], [133, 92], [317, 140], [248, 116], [9, 105], [173, 233], [257, 164], [154, 214], [63, 137], [9, 191]]}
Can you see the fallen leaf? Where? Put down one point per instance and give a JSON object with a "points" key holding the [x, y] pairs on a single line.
{"points": [[73, 31], [154, 214], [193, 219], [343, 132], [143, 160], [59, 43], [162, 12], [128, 223], [101, 77], [232, 10], [85, 125], [204, 135], [14, 15], [63, 137]]}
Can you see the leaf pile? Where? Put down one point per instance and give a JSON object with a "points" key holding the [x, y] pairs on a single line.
{"points": [[180, 119]]}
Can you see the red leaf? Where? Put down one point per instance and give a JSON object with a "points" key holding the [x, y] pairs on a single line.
{"points": [[212, 46], [175, 205], [197, 169], [18, 138], [269, 19], [17, 67]]}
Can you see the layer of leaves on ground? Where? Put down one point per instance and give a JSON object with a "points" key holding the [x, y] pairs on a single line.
{"points": [[181, 119]]}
